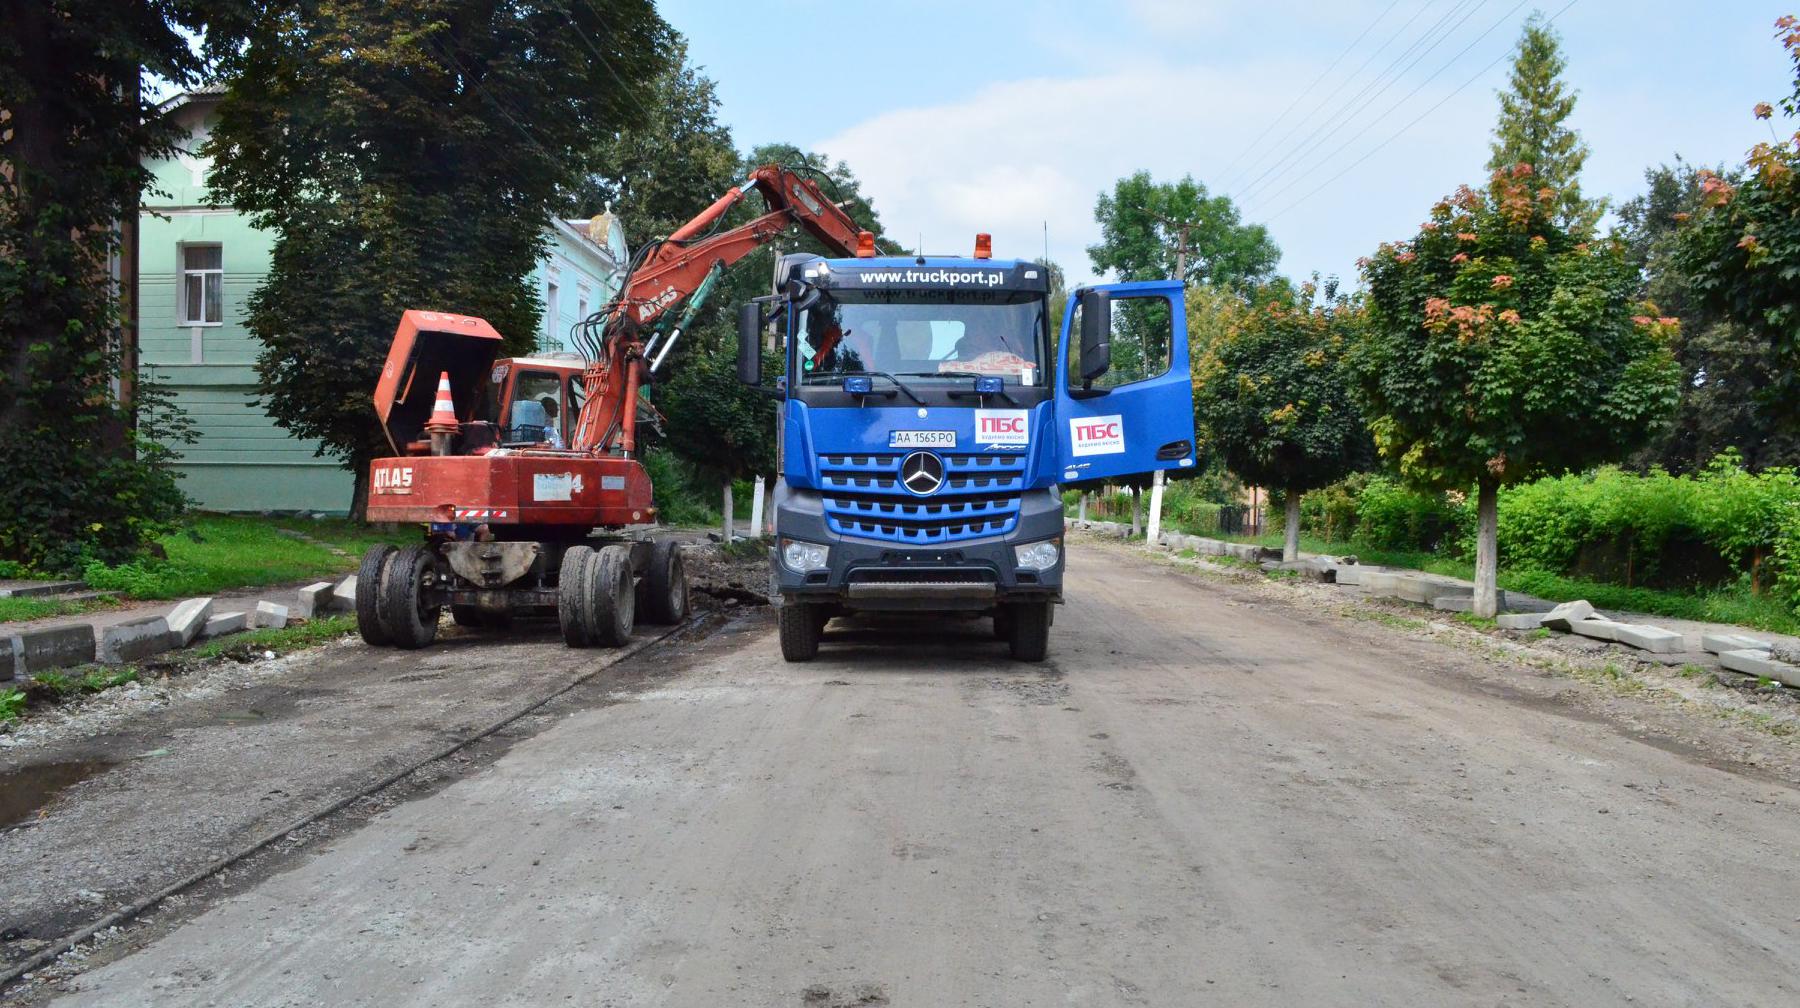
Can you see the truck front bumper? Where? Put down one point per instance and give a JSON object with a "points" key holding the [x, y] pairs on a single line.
{"points": [[863, 574]]}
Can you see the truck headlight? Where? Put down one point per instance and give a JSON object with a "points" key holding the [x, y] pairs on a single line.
{"points": [[1037, 556], [801, 557]]}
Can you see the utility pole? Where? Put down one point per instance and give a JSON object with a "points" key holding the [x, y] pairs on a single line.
{"points": [[1181, 228]]}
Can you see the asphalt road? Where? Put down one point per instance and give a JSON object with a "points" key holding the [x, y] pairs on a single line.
{"points": [[1205, 797]]}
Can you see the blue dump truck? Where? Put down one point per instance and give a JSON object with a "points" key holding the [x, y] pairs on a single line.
{"points": [[929, 415]]}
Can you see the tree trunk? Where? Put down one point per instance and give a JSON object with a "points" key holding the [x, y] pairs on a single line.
{"points": [[1487, 549], [1081, 507], [1137, 513], [359, 490], [725, 522], [1290, 546]]}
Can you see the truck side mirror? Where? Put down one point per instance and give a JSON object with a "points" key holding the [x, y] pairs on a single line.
{"points": [[1096, 334], [750, 326]]}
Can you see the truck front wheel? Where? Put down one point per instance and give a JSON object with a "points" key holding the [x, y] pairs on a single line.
{"points": [[800, 626], [1028, 630]]}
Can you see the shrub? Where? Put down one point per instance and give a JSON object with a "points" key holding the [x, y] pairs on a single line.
{"points": [[1390, 516]]}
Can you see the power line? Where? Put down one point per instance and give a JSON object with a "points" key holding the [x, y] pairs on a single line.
{"points": [[1277, 194], [1421, 118], [1293, 158], [1242, 153], [1331, 99]]}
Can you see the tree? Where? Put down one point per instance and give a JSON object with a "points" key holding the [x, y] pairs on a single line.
{"points": [[1533, 109], [1741, 252], [1272, 399], [1142, 225], [1501, 346], [410, 154], [86, 481], [1724, 366], [656, 175]]}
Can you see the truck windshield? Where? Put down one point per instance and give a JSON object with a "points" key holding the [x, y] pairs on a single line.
{"points": [[925, 335]]}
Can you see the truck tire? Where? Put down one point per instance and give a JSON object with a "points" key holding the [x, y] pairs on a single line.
{"points": [[612, 596], [405, 615], [368, 596], [571, 591], [1028, 630], [799, 631], [664, 589]]}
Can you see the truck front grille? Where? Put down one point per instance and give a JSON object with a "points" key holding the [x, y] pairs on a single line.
{"points": [[864, 499]]}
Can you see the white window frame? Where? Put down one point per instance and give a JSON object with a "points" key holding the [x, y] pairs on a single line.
{"points": [[184, 272], [551, 292]]}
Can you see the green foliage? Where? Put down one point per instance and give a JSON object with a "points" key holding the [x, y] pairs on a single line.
{"points": [[83, 482], [1741, 254], [680, 495], [409, 154], [1724, 366], [656, 174], [228, 551], [280, 640], [12, 704], [1390, 515], [1533, 109], [1141, 229], [1270, 395], [1500, 346]]}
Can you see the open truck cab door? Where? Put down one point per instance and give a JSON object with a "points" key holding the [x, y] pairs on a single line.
{"points": [[1124, 394]]}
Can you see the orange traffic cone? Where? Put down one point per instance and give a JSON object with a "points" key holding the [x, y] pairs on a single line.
{"points": [[443, 422]]}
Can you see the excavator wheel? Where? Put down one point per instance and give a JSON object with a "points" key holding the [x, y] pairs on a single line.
{"points": [[663, 592], [611, 596], [405, 615], [571, 610], [368, 595]]}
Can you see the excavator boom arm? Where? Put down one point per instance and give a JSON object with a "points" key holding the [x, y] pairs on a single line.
{"points": [[674, 270]]}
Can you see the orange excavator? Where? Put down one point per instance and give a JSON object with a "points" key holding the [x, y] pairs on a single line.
{"points": [[524, 470]]}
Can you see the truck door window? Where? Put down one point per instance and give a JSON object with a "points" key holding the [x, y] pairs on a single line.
{"points": [[535, 416], [577, 396], [1142, 331]]}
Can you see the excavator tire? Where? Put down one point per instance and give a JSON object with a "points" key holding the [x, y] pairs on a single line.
{"points": [[368, 594], [571, 590], [405, 615], [612, 596], [663, 592]]}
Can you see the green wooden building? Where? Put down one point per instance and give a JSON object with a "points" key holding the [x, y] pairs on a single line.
{"points": [[198, 263]]}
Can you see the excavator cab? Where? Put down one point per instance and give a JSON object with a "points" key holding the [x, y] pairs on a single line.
{"points": [[530, 402]]}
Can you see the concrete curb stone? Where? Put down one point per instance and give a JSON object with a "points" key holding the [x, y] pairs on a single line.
{"points": [[1563, 617], [270, 615], [343, 597], [53, 647], [224, 623], [315, 599], [1519, 621], [187, 619], [1758, 663], [1595, 628], [1654, 639], [1719, 643], [134, 639]]}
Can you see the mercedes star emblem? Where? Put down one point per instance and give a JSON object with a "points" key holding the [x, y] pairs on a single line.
{"points": [[922, 473]]}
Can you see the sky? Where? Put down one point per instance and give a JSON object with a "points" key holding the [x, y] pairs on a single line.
{"points": [[1335, 124]]}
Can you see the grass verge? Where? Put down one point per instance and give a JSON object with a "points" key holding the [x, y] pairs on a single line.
{"points": [[1734, 604], [278, 640], [16, 609], [234, 551]]}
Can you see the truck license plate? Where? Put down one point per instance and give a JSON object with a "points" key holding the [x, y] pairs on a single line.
{"points": [[922, 439]]}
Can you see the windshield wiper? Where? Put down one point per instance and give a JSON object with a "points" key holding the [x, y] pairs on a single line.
{"points": [[872, 374]]}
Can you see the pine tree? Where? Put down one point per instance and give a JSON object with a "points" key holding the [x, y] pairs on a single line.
{"points": [[1533, 110]]}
